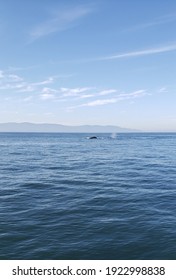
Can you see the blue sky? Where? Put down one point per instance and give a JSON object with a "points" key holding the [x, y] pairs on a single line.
{"points": [[108, 62]]}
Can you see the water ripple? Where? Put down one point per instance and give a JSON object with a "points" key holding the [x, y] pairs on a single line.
{"points": [[65, 197]]}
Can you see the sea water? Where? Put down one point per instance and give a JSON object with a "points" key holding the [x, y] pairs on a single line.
{"points": [[64, 196]]}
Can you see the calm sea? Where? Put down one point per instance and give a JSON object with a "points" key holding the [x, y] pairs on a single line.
{"points": [[64, 196]]}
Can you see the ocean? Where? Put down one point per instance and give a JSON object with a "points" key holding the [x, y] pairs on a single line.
{"points": [[66, 197]]}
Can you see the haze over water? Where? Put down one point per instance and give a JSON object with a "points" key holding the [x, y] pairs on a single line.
{"points": [[64, 196]]}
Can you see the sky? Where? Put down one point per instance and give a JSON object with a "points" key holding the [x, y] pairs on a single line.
{"points": [[72, 62]]}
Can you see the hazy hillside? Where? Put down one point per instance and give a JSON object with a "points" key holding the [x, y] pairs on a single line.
{"points": [[31, 127]]}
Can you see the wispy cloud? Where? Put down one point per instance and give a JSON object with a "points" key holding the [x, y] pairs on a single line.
{"points": [[169, 18], [49, 90], [62, 20], [118, 98], [15, 78], [45, 82], [10, 78], [134, 94], [74, 91], [39, 91], [10, 81], [13, 82], [25, 88], [106, 92], [47, 96], [144, 52], [86, 96], [100, 102], [162, 89]]}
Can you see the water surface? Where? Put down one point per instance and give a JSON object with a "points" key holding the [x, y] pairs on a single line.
{"points": [[63, 196]]}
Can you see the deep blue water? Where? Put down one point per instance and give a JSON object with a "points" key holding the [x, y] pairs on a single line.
{"points": [[63, 196]]}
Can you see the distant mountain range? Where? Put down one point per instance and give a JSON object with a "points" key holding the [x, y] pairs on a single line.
{"points": [[45, 127]]}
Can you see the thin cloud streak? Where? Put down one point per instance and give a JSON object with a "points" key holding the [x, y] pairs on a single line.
{"points": [[132, 54], [100, 102], [106, 92], [74, 91], [163, 49], [156, 22], [59, 22]]}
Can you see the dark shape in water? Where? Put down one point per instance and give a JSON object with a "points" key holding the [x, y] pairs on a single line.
{"points": [[93, 137]]}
